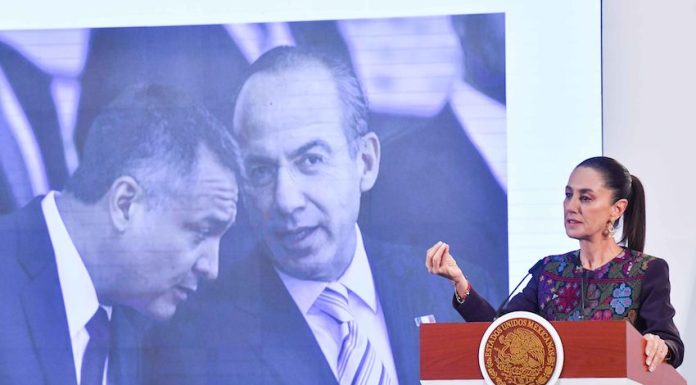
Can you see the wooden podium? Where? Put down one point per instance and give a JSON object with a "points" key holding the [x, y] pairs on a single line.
{"points": [[596, 352]]}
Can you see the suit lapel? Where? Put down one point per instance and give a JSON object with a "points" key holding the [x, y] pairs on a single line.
{"points": [[124, 359], [286, 344], [405, 292], [390, 279], [42, 299]]}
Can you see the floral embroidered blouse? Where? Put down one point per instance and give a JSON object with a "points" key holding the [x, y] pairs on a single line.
{"points": [[632, 286]]}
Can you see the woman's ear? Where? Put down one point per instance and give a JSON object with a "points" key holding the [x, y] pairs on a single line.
{"points": [[618, 209]]}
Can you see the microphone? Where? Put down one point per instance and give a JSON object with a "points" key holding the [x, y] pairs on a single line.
{"points": [[507, 299], [583, 277]]}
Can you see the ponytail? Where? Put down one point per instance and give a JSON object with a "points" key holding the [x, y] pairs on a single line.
{"points": [[623, 186], [634, 217]]}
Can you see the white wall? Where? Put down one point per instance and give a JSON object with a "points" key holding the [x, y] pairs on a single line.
{"points": [[649, 80]]}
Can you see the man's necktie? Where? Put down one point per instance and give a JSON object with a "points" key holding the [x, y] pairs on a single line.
{"points": [[358, 363], [97, 350]]}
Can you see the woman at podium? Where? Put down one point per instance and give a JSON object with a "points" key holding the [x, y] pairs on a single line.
{"points": [[603, 280]]}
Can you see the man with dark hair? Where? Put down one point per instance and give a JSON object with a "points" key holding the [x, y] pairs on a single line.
{"points": [[317, 302], [136, 228]]}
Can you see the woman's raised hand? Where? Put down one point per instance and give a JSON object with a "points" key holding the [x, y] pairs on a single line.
{"points": [[438, 260]]}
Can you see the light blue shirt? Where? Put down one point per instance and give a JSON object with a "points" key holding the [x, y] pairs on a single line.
{"points": [[364, 305]]}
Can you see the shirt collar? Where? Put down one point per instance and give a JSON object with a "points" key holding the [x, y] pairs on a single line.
{"points": [[79, 296], [357, 279]]}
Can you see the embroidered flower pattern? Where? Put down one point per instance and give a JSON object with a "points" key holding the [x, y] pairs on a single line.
{"points": [[602, 315], [610, 292], [622, 298], [592, 296]]}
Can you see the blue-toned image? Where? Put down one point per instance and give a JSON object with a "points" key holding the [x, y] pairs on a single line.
{"points": [[251, 203]]}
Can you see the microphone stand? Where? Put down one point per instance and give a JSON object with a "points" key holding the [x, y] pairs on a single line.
{"points": [[499, 312], [583, 276]]}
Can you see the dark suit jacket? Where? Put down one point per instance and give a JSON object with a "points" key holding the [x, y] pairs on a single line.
{"points": [[247, 329], [32, 87], [35, 347], [7, 199]]}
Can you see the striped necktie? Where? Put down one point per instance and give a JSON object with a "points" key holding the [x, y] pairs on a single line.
{"points": [[358, 363]]}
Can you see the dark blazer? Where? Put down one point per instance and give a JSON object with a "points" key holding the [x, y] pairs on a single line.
{"points": [[32, 88], [246, 329], [7, 199], [638, 281], [35, 347]]}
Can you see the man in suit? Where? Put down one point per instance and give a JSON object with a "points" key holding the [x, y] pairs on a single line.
{"points": [[134, 231], [436, 129], [30, 89], [317, 302]]}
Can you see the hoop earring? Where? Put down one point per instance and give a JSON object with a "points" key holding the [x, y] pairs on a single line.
{"points": [[609, 231]]}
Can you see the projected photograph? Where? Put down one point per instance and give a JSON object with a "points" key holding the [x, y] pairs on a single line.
{"points": [[355, 145]]}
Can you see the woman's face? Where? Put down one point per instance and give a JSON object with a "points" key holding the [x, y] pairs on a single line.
{"points": [[588, 207]]}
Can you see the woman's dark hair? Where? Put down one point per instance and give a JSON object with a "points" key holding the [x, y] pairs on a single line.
{"points": [[623, 186]]}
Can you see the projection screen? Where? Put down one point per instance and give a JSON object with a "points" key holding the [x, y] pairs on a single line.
{"points": [[480, 110]]}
